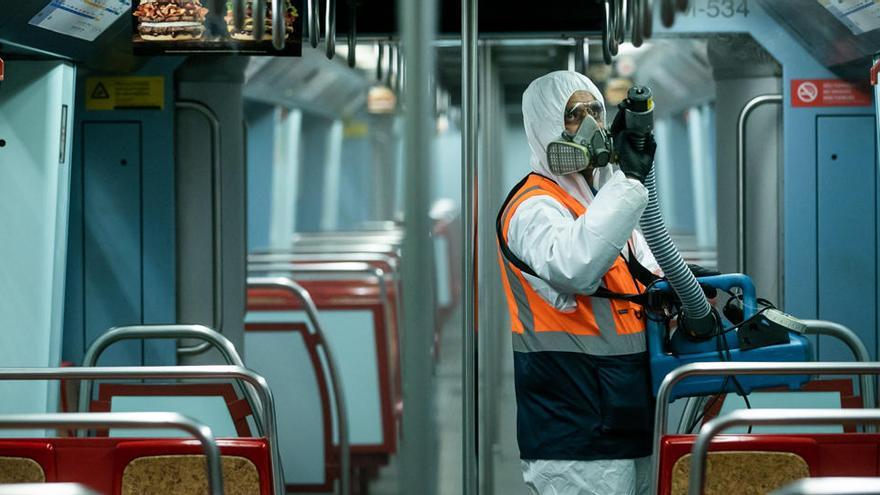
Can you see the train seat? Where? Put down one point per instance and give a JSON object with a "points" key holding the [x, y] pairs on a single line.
{"points": [[834, 393], [146, 466], [760, 463], [281, 348], [23, 461], [364, 343], [216, 405]]}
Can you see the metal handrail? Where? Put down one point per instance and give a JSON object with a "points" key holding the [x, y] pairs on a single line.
{"points": [[391, 261], [381, 48], [398, 76], [607, 32], [279, 25], [332, 269], [200, 332], [667, 12], [352, 33], [129, 420], [216, 207], [855, 344], [355, 268], [831, 486], [648, 18], [741, 122], [238, 14], [728, 368], [330, 23], [331, 247], [470, 158], [392, 65], [333, 368], [747, 417], [314, 22], [175, 372], [46, 489], [348, 235], [830, 329], [258, 12], [637, 31]]}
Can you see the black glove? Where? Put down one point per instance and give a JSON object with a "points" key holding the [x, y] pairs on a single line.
{"points": [[700, 271], [635, 164], [619, 122]]}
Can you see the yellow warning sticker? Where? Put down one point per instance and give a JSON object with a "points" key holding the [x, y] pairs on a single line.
{"points": [[116, 93]]}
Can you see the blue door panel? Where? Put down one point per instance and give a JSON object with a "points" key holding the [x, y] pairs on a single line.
{"points": [[112, 235], [846, 230]]}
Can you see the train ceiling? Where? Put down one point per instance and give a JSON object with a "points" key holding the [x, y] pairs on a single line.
{"points": [[828, 40]]}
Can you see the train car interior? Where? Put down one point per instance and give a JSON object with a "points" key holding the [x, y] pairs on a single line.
{"points": [[294, 246]]}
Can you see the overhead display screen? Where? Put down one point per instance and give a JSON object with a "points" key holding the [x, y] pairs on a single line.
{"points": [[189, 26]]}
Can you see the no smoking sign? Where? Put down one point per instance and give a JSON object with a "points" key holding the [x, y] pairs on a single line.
{"points": [[828, 93]]}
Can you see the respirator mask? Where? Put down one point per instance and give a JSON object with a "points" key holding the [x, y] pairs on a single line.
{"points": [[590, 146]]}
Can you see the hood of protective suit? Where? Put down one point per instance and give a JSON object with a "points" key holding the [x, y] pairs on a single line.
{"points": [[543, 107]]}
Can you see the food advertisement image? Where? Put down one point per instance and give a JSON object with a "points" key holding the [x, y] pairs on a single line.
{"points": [[189, 26]]}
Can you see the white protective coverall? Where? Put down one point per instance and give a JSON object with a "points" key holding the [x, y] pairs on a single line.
{"points": [[571, 257]]}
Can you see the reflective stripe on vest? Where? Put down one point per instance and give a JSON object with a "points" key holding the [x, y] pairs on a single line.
{"points": [[597, 326]]}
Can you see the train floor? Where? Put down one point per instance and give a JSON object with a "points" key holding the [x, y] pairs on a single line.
{"points": [[507, 479]]}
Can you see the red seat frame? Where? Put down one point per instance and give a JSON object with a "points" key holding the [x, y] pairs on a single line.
{"points": [[827, 454], [99, 463]]}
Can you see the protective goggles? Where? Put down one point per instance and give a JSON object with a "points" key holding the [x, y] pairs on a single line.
{"points": [[579, 111]]}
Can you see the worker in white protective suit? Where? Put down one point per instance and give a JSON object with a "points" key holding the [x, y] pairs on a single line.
{"points": [[568, 248]]}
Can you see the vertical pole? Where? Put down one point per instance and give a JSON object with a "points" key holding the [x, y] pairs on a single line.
{"points": [[285, 176], [470, 470], [332, 170], [875, 70], [418, 448], [487, 270], [702, 182]]}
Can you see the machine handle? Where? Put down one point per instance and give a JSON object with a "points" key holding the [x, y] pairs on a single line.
{"points": [[748, 417], [333, 368], [729, 368], [177, 372], [128, 420], [727, 282], [200, 332]]}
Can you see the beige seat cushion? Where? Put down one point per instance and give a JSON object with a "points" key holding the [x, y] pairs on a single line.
{"points": [[742, 473], [185, 475], [20, 470]]}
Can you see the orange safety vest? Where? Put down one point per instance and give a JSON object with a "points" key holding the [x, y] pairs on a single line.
{"points": [[598, 326]]}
